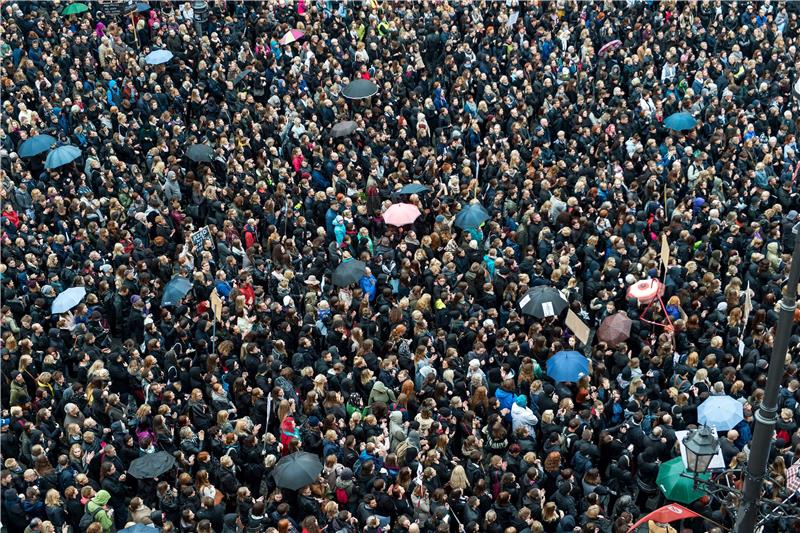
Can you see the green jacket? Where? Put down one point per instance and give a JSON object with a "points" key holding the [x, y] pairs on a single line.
{"points": [[17, 390], [99, 501]]}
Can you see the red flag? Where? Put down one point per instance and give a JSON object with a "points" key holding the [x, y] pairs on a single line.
{"points": [[666, 514]]}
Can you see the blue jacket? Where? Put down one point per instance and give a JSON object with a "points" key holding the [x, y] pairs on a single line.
{"points": [[506, 400], [368, 285]]}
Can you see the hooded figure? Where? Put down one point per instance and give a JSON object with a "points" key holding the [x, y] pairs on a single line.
{"points": [[381, 393], [172, 190], [396, 429], [13, 514], [522, 416], [97, 507]]}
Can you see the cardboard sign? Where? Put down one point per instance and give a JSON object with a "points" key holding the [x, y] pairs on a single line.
{"points": [[547, 309], [524, 301], [199, 237], [578, 327], [216, 305]]}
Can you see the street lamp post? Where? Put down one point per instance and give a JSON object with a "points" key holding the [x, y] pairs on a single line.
{"points": [[767, 414]]}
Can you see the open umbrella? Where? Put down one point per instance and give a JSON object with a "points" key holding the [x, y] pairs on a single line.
{"points": [[414, 188], [343, 129], [358, 89], [664, 515], [143, 7], [61, 155], [680, 121], [348, 272], [74, 9], [401, 214], [676, 487], [38, 144], [139, 528], [297, 470], [242, 75], [291, 36], [720, 412], [67, 300], [609, 47], [151, 465], [158, 57], [177, 288], [201, 153], [567, 366], [472, 216], [615, 329], [543, 301]]}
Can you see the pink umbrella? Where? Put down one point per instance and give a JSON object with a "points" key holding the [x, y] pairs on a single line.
{"points": [[292, 36], [609, 46], [401, 214]]}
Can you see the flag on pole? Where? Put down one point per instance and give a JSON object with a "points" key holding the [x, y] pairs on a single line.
{"points": [[664, 251]]}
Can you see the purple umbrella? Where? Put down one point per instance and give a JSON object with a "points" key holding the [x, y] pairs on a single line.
{"points": [[609, 47]]}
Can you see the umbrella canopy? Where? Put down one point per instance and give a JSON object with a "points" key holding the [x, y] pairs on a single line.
{"points": [[472, 216], [242, 75], [291, 36], [793, 478], [67, 300], [414, 188], [348, 272], [61, 155], [676, 487], [177, 288], [358, 89], [38, 144], [343, 129], [74, 9], [297, 470], [615, 329], [680, 121], [143, 7], [609, 47], [720, 412], [664, 515], [151, 465], [567, 366], [543, 301], [201, 153], [401, 214], [157, 57]]}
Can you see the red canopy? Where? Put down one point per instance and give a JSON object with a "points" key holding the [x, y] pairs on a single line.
{"points": [[666, 514]]}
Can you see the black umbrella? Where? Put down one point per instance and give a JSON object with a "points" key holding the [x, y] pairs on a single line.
{"points": [[201, 153], [343, 129], [297, 470], [414, 188], [543, 301], [358, 89], [348, 272], [151, 465], [242, 75]]}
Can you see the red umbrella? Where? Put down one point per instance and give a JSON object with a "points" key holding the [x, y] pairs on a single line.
{"points": [[615, 329], [669, 513], [401, 214], [610, 46]]}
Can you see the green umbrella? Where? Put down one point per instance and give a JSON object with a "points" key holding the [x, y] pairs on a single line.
{"points": [[74, 9], [676, 487]]}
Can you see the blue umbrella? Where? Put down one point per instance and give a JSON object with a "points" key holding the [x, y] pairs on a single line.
{"points": [[67, 300], [680, 121], [157, 57], [472, 216], [139, 528], [142, 7], [567, 366], [36, 145], [414, 188], [176, 289], [720, 412], [61, 155]]}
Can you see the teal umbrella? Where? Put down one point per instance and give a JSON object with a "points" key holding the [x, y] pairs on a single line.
{"points": [[74, 9], [676, 487], [61, 155], [680, 121], [36, 145]]}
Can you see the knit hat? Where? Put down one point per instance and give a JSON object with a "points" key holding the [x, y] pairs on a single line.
{"points": [[521, 400]]}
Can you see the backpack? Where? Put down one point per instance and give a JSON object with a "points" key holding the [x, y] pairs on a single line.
{"points": [[581, 463], [88, 518], [341, 496], [567, 440]]}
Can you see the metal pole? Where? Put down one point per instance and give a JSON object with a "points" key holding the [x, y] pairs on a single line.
{"points": [[766, 416]]}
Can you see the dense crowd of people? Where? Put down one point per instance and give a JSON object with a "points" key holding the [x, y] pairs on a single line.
{"points": [[422, 386]]}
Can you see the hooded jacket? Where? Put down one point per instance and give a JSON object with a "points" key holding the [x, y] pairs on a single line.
{"points": [[99, 502], [381, 393]]}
